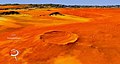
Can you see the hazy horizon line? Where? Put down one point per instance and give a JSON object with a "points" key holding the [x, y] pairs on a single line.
{"points": [[62, 4]]}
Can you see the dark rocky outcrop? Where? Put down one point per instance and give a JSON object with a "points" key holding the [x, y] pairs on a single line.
{"points": [[55, 13], [9, 13]]}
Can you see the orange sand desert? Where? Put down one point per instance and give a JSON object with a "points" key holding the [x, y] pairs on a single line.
{"points": [[81, 36]]}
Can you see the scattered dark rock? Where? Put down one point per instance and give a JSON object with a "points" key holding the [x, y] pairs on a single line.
{"points": [[9, 13], [48, 10]]}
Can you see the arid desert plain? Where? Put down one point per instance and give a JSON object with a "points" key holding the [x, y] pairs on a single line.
{"points": [[72, 36]]}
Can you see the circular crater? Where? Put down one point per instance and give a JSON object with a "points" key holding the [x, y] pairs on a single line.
{"points": [[59, 37]]}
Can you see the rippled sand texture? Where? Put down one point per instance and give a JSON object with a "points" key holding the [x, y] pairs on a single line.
{"points": [[81, 36]]}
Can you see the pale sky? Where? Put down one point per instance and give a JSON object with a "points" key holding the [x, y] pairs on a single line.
{"points": [[74, 2]]}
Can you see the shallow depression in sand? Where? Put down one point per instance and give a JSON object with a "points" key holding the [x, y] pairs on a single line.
{"points": [[59, 37]]}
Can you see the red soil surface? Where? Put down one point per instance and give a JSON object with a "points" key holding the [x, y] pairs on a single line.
{"points": [[12, 6], [98, 38], [59, 37]]}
